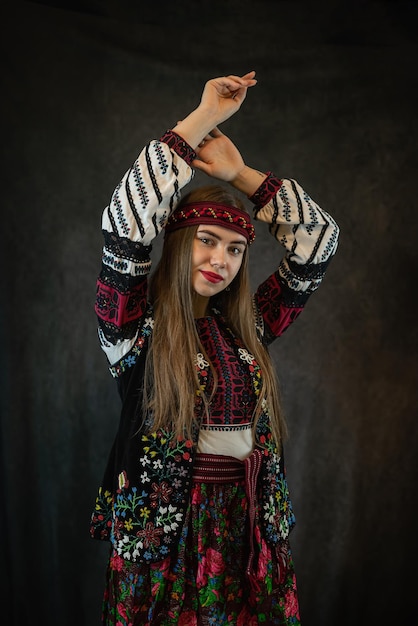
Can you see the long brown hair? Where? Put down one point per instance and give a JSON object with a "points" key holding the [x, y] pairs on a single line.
{"points": [[171, 379]]}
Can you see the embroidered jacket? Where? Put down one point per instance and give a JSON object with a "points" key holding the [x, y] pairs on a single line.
{"points": [[145, 491]]}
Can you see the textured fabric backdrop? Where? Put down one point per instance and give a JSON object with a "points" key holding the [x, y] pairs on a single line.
{"points": [[85, 85]]}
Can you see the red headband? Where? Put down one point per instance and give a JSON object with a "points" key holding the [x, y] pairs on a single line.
{"points": [[212, 213]]}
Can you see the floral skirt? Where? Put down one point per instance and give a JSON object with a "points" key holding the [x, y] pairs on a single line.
{"points": [[207, 580]]}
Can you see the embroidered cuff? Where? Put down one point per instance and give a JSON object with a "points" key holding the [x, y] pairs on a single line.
{"points": [[268, 188], [180, 147]]}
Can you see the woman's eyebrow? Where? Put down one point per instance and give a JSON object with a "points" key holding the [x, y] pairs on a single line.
{"points": [[243, 242]]}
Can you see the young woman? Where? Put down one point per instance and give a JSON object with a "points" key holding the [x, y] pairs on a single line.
{"points": [[194, 499]]}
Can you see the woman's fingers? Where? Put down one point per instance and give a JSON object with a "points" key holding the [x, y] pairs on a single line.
{"points": [[243, 79], [247, 80], [235, 83], [204, 140], [213, 134], [249, 76]]}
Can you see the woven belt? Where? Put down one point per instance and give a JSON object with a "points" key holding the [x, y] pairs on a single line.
{"points": [[214, 468]]}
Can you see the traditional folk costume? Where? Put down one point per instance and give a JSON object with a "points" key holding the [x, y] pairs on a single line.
{"points": [[199, 527]]}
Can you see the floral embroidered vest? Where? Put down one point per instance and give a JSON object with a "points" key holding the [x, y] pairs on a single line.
{"points": [[145, 493]]}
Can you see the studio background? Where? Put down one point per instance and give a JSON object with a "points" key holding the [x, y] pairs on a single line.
{"points": [[84, 86]]}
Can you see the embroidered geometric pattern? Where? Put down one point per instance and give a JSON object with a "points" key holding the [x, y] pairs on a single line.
{"points": [[268, 188], [234, 401], [212, 213], [179, 146]]}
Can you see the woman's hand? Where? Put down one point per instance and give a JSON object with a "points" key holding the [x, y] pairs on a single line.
{"points": [[217, 156], [222, 97]]}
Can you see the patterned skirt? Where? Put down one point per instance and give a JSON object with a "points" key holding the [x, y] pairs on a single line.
{"points": [[222, 572]]}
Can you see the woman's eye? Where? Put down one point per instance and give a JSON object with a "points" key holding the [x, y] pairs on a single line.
{"points": [[236, 251], [205, 240]]}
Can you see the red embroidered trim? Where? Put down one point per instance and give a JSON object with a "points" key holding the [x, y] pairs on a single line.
{"points": [[212, 213]]}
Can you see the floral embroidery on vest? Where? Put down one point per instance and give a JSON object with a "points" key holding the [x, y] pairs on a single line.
{"points": [[143, 512], [142, 521], [277, 514]]}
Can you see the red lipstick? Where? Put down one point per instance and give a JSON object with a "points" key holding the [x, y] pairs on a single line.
{"points": [[212, 277]]}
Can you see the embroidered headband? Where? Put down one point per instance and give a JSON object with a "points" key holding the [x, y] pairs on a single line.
{"points": [[215, 213]]}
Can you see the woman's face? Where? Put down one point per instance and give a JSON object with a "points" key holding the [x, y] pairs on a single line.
{"points": [[216, 259]]}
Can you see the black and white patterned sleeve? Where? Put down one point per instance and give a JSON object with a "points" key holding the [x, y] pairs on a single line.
{"points": [[150, 190], [137, 212], [309, 236]]}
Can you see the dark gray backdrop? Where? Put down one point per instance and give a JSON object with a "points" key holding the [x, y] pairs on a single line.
{"points": [[85, 85]]}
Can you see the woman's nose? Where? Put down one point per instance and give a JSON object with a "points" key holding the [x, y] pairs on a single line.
{"points": [[218, 258]]}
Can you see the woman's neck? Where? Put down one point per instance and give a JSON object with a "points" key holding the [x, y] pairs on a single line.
{"points": [[200, 305]]}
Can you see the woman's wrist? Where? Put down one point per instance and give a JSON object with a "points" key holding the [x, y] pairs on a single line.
{"points": [[248, 180], [196, 126]]}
